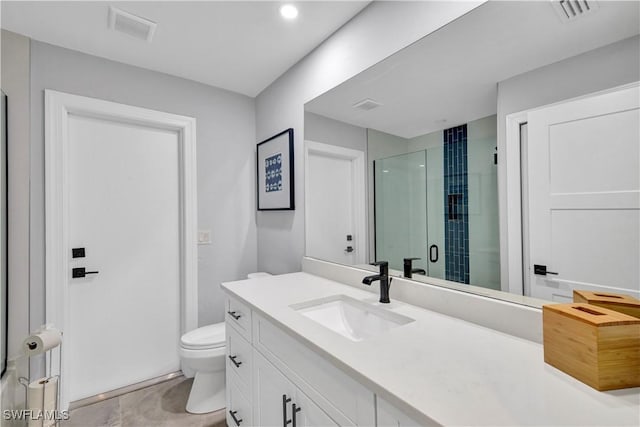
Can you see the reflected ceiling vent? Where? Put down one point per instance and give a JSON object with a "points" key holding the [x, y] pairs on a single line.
{"points": [[366, 104], [570, 10], [128, 23]]}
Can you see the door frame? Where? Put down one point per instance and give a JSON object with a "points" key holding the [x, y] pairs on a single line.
{"points": [[58, 107], [356, 157], [513, 255]]}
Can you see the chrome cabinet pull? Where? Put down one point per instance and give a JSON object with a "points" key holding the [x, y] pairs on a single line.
{"points": [[233, 359], [234, 315], [233, 415]]}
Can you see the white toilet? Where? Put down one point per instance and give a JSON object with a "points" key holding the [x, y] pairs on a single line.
{"points": [[202, 354]]}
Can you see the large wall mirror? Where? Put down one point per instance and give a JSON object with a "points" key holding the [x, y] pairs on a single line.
{"points": [[407, 161]]}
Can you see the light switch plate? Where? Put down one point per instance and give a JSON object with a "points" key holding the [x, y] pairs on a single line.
{"points": [[204, 237]]}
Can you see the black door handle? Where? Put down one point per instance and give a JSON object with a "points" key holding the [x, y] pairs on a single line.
{"points": [[233, 359], [234, 315], [542, 270], [80, 272], [233, 415], [431, 257]]}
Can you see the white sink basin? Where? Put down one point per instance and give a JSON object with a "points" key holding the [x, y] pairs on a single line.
{"points": [[349, 317]]}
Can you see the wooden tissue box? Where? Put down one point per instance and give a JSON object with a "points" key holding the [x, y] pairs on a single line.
{"points": [[597, 346], [617, 302]]}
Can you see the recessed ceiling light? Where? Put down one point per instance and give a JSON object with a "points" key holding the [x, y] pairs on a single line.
{"points": [[289, 11]]}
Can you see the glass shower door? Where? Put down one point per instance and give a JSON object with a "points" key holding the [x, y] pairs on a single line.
{"points": [[401, 209], [409, 211]]}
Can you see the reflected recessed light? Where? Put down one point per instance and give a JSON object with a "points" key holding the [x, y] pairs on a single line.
{"points": [[289, 11], [421, 166], [385, 171]]}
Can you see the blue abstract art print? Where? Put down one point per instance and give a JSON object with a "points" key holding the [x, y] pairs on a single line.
{"points": [[273, 173]]}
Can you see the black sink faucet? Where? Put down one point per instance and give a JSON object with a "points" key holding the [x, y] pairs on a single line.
{"points": [[383, 277], [409, 270]]}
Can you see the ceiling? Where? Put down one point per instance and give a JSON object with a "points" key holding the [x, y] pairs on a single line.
{"points": [[236, 45], [453, 73]]}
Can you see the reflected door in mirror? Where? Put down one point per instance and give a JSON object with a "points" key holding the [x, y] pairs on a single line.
{"points": [[584, 195], [334, 204]]}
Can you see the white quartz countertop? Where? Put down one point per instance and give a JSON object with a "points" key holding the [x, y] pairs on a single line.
{"points": [[439, 369]]}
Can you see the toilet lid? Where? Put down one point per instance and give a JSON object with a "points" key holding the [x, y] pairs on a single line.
{"points": [[210, 336]]}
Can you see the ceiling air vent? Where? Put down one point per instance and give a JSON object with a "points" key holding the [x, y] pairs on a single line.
{"points": [[128, 23], [570, 10], [366, 104]]}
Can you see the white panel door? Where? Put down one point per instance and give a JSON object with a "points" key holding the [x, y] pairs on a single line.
{"points": [[584, 195], [124, 321], [335, 204]]}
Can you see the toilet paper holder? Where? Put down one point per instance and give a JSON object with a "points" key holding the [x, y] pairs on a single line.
{"points": [[46, 419]]}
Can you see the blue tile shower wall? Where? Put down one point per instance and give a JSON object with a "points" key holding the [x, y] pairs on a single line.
{"points": [[456, 204]]}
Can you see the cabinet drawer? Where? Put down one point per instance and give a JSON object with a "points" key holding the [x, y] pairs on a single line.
{"points": [[239, 359], [344, 399], [238, 315], [239, 411]]}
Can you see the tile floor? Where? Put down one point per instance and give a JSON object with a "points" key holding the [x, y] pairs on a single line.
{"points": [[161, 405]]}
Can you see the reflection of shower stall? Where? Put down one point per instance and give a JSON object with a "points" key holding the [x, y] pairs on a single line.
{"points": [[440, 204]]}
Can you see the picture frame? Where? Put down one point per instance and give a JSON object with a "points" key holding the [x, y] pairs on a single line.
{"points": [[275, 182]]}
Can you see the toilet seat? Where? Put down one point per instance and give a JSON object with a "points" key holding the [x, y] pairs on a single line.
{"points": [[206, 337]]}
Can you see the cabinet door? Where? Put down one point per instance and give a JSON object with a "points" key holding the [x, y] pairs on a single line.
{"points": [[239, 411], [389, 416], [273, 394], [310, 414]]}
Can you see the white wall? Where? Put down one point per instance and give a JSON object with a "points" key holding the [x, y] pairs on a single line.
{"points": [[609, 66], [329, 131], [377, 32], [15, 83], [225, 152]]}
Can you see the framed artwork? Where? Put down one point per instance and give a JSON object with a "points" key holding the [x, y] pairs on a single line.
{"points": [[274, 172]]}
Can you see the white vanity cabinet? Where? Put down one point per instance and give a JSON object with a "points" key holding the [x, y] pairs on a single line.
{"points": [[278, 402], [270, 371], [239, 363]]}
